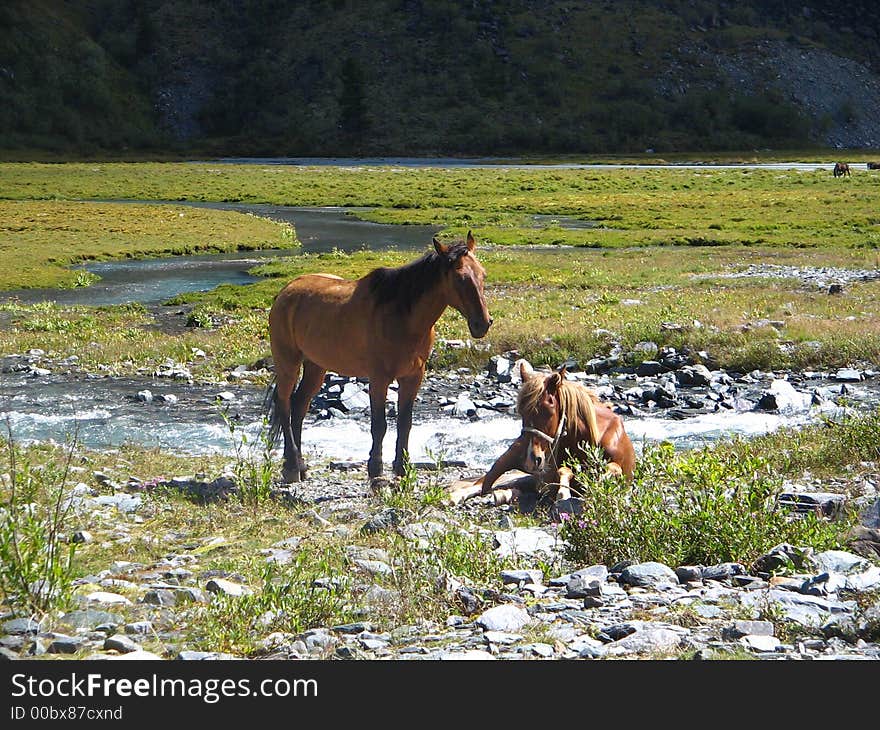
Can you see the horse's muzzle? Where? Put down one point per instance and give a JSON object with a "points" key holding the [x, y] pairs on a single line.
{"points": [[479, 328]]}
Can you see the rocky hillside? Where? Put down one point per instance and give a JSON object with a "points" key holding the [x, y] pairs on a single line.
{"points": [[416, 77]]}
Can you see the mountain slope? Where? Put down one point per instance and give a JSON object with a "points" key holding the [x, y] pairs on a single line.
{"points": [[321, 77]]}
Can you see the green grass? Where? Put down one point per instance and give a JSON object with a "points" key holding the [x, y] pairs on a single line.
{"points": [[39, 240]]}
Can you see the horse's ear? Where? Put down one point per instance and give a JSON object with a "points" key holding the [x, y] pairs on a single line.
{"points": [[554, 381], [439, 247], [526, 371], [471, 243]]}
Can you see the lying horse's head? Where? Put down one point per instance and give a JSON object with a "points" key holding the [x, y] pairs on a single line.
{"points": [[539, 404], [464, 284]]}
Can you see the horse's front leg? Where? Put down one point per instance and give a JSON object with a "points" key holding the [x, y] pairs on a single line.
{"points": [[378, 424], [407, 389]]}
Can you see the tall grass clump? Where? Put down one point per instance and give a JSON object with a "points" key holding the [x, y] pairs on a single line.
{"points": [[253, 467], [701, 507], [429, 572], [36, 557], [291, 598]]}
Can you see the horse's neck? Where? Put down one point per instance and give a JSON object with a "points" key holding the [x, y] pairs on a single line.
{"points": [[424, 315]]}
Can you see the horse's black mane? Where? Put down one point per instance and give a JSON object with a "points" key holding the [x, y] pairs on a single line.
{"points": [[404, 286]]}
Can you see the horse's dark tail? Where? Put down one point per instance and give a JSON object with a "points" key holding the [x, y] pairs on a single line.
{"points": [[270, 411]]}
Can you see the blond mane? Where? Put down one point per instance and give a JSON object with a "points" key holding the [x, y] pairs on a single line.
{"points": [[577, 402]]}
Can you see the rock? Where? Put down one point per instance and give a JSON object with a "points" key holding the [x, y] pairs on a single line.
{"points": [[826, 503], [649, 368], [647, 639], [160, 597], [694, 375], [227, 587], [65, 644], [464, 406], [386, 520], [849, 375], [689, 573], [722, 571], [139, 628], [145, 396], [81, 536], [839, 561], [202, 656], [746, 628], [21, 626], [782, 396], [467, 655], [501, 637], [135, 656], [354, 399], [374, 567], [89, 618], [782, 557], [107, 599], [120, 643], [573, 506], [648, 575], [506, 617], [761, 642], [526, 541], [521, 576]]}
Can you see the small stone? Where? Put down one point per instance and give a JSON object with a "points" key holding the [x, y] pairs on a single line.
{"points": [[106, 598], [160, 597], [648, 574], [521, 576], [81, 536], [760, 642], [139, 628], [65, 644], [227, 587], [120, 643], [21, 626], [506, 617], [747, 628]]}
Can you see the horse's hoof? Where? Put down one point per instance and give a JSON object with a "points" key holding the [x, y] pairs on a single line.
{"points": [[290, 477]]}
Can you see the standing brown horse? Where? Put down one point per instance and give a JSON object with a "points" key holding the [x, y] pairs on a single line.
{"points": [[841, 169], [560, 419], [380, 327]]}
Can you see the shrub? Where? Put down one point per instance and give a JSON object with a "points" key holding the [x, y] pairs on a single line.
{"points": [[35, 561], [700, 507]]}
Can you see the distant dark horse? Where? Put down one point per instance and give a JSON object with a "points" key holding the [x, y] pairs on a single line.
{"points": [[841, 169], [873, 165], [379, 327]]}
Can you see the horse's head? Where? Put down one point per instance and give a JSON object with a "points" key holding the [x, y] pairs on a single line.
{"points": [[464, 284], [542, 421]]}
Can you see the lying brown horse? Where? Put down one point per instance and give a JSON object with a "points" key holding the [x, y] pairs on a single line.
{"points": [[379, 327], [560, 420], [841, 169]]}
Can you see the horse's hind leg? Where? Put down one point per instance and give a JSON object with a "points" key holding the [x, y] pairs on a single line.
{"points": [[309, 385]]}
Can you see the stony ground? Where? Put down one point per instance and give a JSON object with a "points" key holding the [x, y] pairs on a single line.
{"points": [[534, 606]]}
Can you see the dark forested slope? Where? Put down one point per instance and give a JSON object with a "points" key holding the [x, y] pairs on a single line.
{"points": [[321, 77]]}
